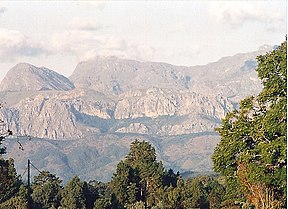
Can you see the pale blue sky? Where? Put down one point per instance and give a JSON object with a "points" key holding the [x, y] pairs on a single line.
{"points": [[59, 34]]}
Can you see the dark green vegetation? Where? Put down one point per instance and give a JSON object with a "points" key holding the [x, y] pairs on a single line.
{"points": [[251, 159], [140, 181], [252, 151]]}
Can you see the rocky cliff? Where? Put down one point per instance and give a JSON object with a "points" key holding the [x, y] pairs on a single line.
{"points": [[112, 75], [115, 101], [26, 77]]}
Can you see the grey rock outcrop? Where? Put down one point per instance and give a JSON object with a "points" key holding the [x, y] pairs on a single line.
{"points": [[111, 75], [115, 101], [155, 102], [26, 77], [58, 115], [170, 112], [43, 117], [234, 76]]}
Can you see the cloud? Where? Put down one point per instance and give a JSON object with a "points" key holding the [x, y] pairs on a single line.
{"points": [[98, 5], [2, 10], [78, 24], [235, 14], [130, 51], [181, 26], [14, 44], [86, 45], [82, 44], [72, 41]]}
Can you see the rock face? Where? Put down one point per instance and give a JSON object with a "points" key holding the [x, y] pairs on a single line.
{"points": [[43, 117], [162, 102], [113, 75], [26, 77], [116, 101], [235, 76], [157, 112], [57, 115]]}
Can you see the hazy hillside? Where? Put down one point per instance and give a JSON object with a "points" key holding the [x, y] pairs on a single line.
{"points": [[85, 131], [26, 77], [234, 76], [114, 75]]}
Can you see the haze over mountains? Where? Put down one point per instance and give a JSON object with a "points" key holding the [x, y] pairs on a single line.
{"points": [[26, 77], [83, 125]]}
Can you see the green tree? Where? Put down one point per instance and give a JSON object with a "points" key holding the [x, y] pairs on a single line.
{"points": [[73, 195], [173, 197], [142, 157], [91, 193], [195, 194], [121, 180], [170, 178], [139, 177], [46, 189], [18, 201], [136, 205], [216, 192], [253, 138], [106, 198], [9, 181]]}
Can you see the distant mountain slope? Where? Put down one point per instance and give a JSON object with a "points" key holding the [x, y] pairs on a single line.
{"points": [[234, 76], [114, 75], [78, 113], [116, 101], [26, 77], [96, 156]]}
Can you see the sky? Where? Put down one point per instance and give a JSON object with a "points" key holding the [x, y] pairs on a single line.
{"points": [[60, 34]]}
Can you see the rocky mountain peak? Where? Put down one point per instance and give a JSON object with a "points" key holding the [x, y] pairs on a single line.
{"points": [[27, 77], [116, 101], [115, 75]]}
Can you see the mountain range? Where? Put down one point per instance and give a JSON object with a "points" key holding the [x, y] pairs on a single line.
{"points": [[83, 125]]}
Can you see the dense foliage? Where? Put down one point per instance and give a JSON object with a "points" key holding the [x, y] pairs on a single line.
{"points": [[46, 190], [140, 181], [9, 181], [252, 151]]}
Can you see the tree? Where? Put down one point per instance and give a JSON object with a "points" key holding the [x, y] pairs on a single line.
{"points": [[106, 198], [72, 195], [139, 177], [170, 178], [9, 181], [254, 137], [142, 157], [18, 201], [91, 193], [174, 197], [216, 193], [46, 190], [121, 183], [195, 194]]}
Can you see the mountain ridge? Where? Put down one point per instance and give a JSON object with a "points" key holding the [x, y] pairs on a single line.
{"points": [[114, 103], [27, 77]]}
